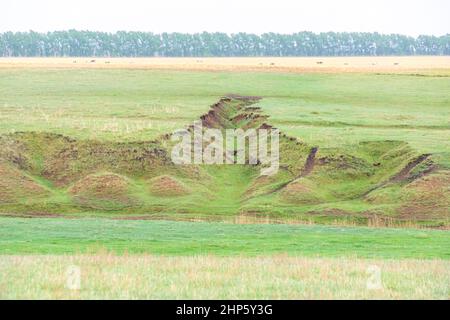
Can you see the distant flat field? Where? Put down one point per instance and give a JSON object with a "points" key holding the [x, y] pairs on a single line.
{"points": [[440, 64]]}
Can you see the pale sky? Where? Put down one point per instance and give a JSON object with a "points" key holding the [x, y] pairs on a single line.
{"points": [[410, 17]]}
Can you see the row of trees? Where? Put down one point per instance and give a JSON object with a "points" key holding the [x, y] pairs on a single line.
{"points": [[142, 44]]}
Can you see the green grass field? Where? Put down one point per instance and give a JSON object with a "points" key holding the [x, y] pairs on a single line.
{"points": [[121, 259], [72, 236], [324, 109]]}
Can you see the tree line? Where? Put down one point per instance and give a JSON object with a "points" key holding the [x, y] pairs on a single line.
{"points": [[145, 44]]}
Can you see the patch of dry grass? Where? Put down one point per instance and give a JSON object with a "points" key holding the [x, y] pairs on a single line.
{"points": [[417, 64], [207, 277]]}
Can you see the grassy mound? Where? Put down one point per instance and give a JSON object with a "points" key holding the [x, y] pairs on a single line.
{"points": [[107, 191], [167, 186], [427, 197], [15, 186], [302, 191]]}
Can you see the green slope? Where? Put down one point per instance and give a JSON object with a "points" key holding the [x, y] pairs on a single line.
{"points": [[368, 180]]}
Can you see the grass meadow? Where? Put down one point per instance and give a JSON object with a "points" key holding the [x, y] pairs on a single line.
{"points": [[107, 276], [72, 236], [323, 109], [123, 256], [198, 260]]}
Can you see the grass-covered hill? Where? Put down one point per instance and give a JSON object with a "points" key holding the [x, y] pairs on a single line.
{"points": [[53, 174]]}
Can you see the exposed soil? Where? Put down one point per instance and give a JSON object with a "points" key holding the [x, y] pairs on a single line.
{"points": [[252, 109], [234, 96], [403, 174], [310, 161], [216, 116], [222, 115]]}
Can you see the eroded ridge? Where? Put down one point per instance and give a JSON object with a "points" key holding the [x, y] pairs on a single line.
{"points": [[46, 174]]}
